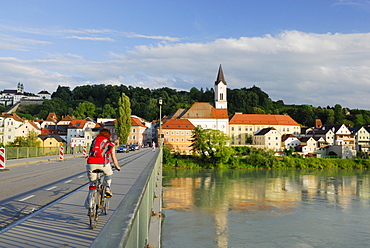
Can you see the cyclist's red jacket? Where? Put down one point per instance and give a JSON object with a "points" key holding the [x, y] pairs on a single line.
{"points": [[101, 159]]}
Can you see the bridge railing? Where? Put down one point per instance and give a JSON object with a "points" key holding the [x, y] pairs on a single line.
{"points": [[28, 152], [129, 224]]}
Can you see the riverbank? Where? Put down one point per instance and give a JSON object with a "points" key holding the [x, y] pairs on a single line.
{"points": [[261, 159]]}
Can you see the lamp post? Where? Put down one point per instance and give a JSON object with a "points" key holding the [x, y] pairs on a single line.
{"points": [[160, 122]]}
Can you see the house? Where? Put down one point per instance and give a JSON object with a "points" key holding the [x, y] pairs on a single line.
{"points": [[51, 120], [308, 145], [52, 140], [8, 125], [177, 135], [44, 95], [137, 134], [289, 140], [268, 138], [26, 127], [326, 133], [76, 131], [243, 126], [362, 138], [344, 141], [66, 120]]}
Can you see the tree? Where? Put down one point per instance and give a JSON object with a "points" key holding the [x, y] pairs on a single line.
{"points": [[31, 140], [338, 114], [108, 111], [85, 109], [123, 124], [211, 145]]}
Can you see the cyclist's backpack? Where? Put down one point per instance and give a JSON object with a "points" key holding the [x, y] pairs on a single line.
{"points": [[100, 147]]}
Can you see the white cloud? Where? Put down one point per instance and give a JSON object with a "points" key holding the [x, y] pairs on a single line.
{"points": [[296, 67], [90, 38], [8, 42], [158, 37]]}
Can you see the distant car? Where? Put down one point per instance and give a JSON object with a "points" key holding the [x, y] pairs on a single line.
{"points": [[136, 146], [122, 148], [131, 147]]}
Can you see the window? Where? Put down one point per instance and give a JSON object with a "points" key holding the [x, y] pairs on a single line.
{"points": [[221, 96]]}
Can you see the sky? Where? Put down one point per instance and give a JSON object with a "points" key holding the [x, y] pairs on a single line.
{"points": [[314, 52]]}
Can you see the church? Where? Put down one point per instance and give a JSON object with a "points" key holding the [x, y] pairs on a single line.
{"points": [[176, 129], [11, 97]]}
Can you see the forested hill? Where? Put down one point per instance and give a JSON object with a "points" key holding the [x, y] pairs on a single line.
{"points": [[101, 101]]}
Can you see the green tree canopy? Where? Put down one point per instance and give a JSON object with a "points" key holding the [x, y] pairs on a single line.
{"points": [[212, 146], [84, 110], [108, 111], [31, 140]]}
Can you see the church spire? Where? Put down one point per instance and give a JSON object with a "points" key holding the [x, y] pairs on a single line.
{"points": [[220, 90], [220, 76]]}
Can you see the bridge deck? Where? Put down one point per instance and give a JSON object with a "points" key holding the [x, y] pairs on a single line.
{"points": [[65, 223]]}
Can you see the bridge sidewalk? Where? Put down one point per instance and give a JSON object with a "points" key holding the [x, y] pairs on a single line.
{"points": [[65, 223]]}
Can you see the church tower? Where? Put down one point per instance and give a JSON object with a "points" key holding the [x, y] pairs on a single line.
{"points": [[220, 90]]}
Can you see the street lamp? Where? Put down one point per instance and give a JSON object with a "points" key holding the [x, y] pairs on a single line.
{"points": [[160, 121]]}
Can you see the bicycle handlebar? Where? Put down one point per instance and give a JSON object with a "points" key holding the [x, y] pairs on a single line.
{"points": [[114, 167]]}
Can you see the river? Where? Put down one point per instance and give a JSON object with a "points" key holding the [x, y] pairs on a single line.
{"points": [[266, 208]]}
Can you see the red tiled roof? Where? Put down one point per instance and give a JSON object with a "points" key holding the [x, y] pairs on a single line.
{"points": [[256, 119], [12, 115], [136, 122], [182, 124], [77, 124], [52, 117], [67, 118]]}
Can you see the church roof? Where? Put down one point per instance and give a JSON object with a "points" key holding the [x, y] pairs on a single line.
{"points": [[220, 76], [257, 119], [203, 110]]}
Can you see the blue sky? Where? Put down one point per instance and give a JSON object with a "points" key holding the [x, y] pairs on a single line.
{"points": [[313, 52]]}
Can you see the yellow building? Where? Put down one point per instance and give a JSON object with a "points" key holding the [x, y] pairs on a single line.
{"points": [[51, 140], [177, 135]]}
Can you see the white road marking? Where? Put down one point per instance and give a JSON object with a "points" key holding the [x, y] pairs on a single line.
{"points": [[80, 176], [2, 208], [51, 188], [26, 198], [68, 181]]}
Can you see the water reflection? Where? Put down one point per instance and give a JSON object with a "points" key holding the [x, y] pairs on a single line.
{"points": [[276, 197]]}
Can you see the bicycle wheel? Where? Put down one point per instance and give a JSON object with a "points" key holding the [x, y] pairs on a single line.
{"points": [[105, 205], [93, 213]]}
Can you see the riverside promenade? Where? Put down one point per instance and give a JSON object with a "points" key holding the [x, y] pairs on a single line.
{"points": [[65, 223]]}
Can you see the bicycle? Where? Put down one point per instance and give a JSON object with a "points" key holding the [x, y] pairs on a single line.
{"points": [[98, 200]]}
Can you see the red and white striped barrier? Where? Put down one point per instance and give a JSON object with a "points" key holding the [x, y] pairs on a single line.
{"points": [[61, 153], [2, 158], [84, 152]]}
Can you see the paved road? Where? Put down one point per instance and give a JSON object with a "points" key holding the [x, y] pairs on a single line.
{"points": [[65, 223]]}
